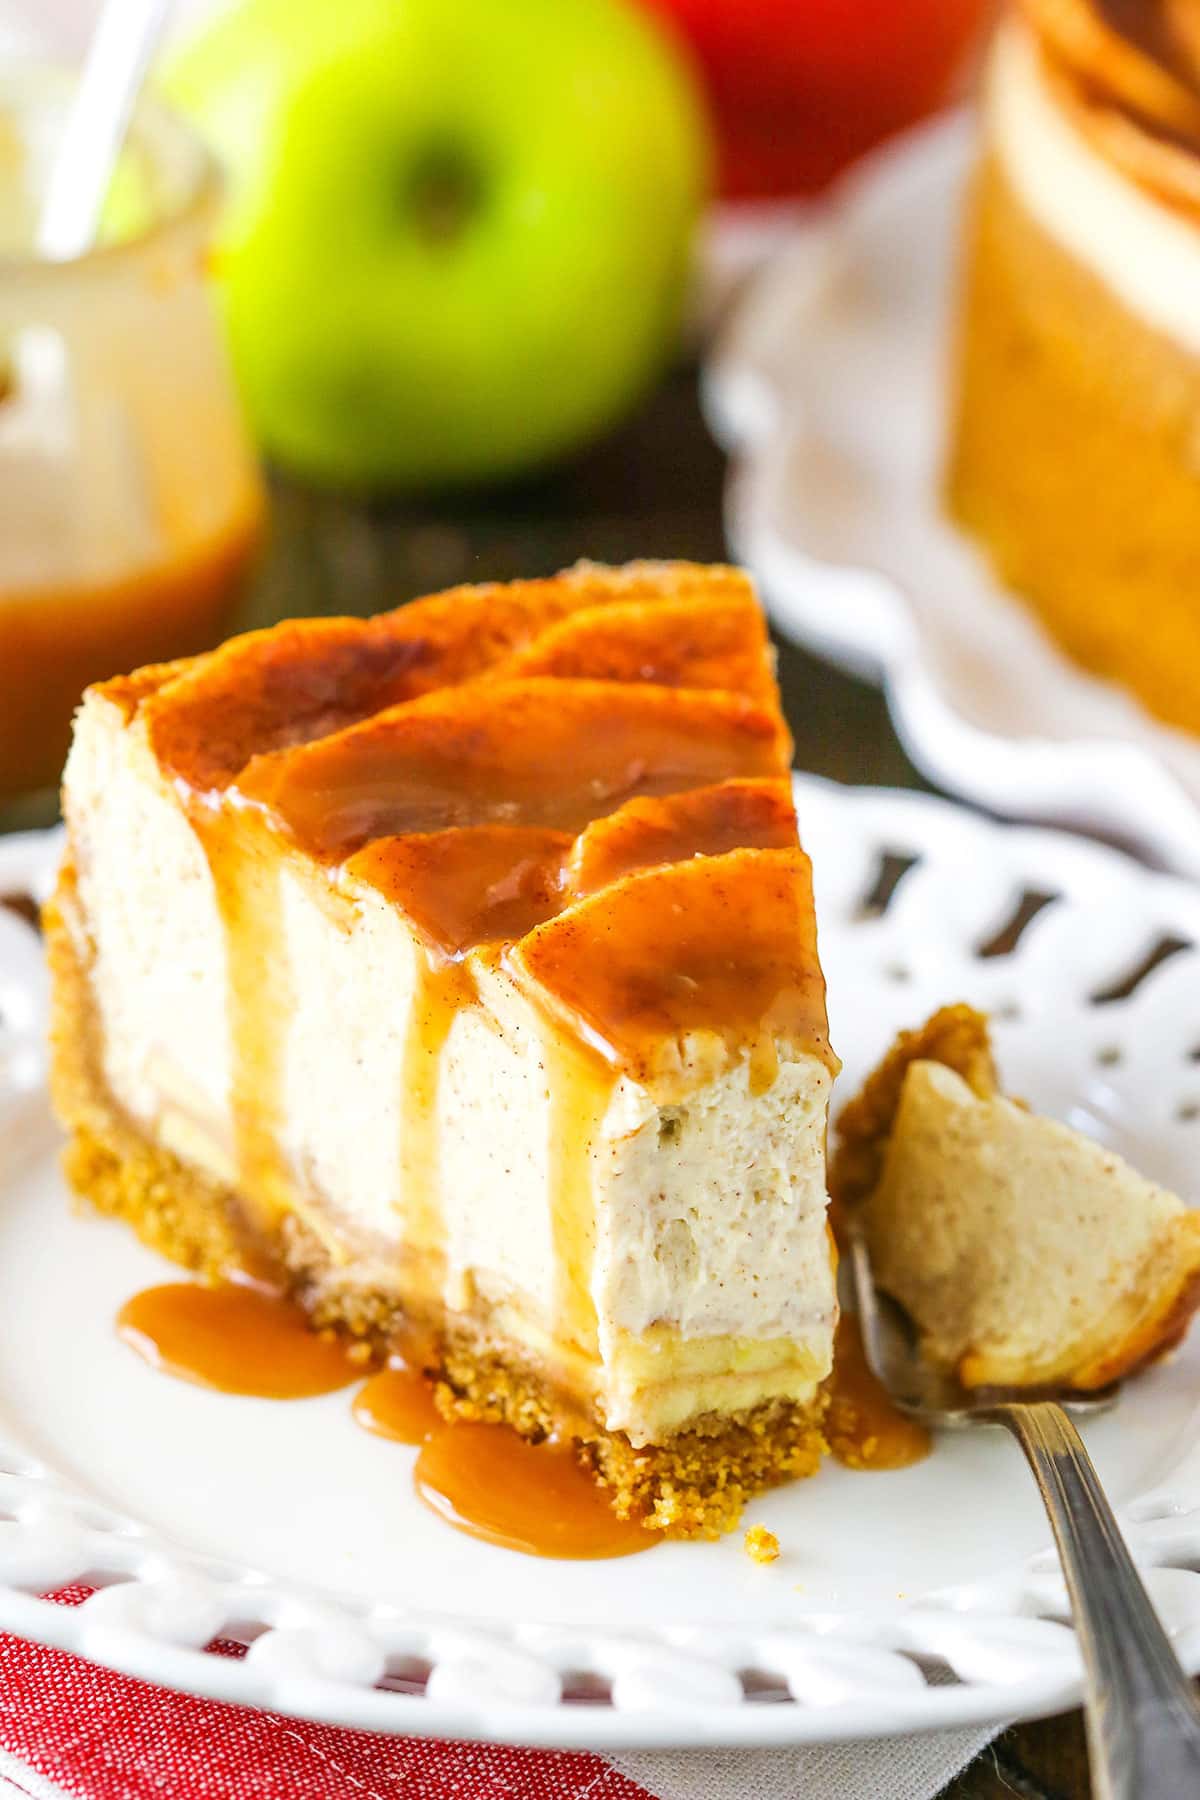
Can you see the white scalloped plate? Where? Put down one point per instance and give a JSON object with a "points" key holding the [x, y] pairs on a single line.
{"points": [[830, 386], [903, 1601]]}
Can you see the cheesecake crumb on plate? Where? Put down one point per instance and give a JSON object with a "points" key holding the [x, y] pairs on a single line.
{"points": [[761, 1545]]}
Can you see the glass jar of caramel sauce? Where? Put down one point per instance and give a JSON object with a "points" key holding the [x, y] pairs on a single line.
{"points": [[130, 501]]}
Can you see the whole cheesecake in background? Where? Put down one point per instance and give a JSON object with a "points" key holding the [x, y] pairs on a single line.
{"points": [[1075, 449], [461, 962]]}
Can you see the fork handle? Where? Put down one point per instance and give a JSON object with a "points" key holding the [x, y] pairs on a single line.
{"points": [[1143, 1721]]}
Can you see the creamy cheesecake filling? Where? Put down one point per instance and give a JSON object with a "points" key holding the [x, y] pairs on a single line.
{"points": [[1145, 252], [663, 1261], [645, 1377]]}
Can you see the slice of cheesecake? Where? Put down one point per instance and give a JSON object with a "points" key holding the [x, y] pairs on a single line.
{"points": [[462, 962], [1026, 1254]]}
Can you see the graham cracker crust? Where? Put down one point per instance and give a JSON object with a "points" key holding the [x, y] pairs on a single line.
{"points": [[694, 1484]]}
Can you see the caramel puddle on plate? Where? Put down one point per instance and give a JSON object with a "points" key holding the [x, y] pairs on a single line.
{"points": [[397, 1403], [482, 1479], [864, 1429], [492, 1484], [238, 1339]]}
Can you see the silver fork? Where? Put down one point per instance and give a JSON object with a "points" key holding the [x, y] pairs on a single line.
{"points": [[1143, 1721]]}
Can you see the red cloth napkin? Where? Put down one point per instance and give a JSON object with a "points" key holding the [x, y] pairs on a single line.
{"points": [[101, 1736], [97, 1735]]}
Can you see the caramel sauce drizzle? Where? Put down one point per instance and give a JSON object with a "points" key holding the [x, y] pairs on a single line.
{"points": [[236, 1339], [397, 1403], [482, 1479], [540, 752], [248, 878], [492, 1484], [720, 951], [466, 887], [712, 821], [865, 1430], [441, 990], [580, 1090]]}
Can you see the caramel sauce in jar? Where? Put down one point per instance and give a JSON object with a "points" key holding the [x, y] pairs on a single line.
{"points": [[130, 500], [54, 641], [238, 1339]]}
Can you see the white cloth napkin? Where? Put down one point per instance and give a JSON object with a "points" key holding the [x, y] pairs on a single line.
{"points": [[914, 1768]]}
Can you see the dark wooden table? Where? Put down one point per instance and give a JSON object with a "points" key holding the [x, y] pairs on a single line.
{"points": [[653, 490]]}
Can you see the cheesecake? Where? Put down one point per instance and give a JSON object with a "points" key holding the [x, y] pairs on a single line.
{"points": [[458, 968], [1074, 447], [1026, 1254]]}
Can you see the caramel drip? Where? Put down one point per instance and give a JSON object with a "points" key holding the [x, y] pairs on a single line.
{"points": [[307, 678], [237, 1339], [687, 967], [398, 1403], [494, 1485], [865, 1430], [441, 989], [459, 888], [547, 754], [712, 821], [694, 642], [763, 1064], [580, 1090], [248, 881]]}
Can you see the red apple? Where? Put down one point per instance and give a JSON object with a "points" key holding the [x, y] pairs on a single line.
{"points": [[800, 87]]}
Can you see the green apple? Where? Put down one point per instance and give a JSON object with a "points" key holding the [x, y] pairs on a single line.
{"points": [[458, 231]]}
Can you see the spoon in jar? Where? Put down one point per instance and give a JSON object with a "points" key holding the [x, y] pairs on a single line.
{"points": [[117, 59]]}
